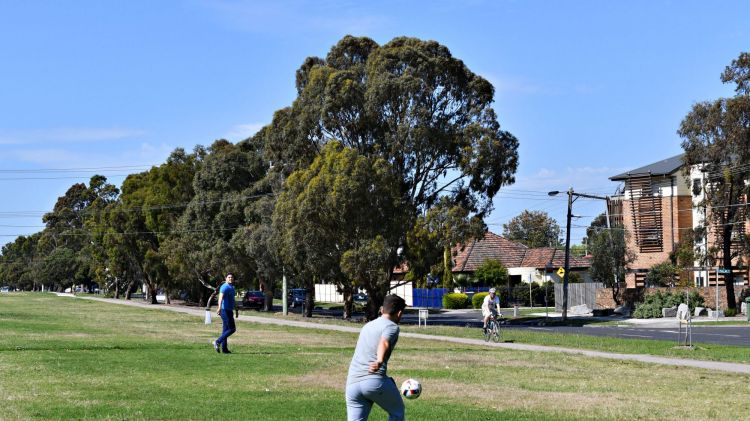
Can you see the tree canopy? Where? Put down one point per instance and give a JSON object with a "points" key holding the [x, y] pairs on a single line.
{"points": [[533, 229], [414, 106], [716, 137]]}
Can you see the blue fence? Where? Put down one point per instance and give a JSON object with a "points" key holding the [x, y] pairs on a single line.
{"points": [[428, 297], [433, 297]]}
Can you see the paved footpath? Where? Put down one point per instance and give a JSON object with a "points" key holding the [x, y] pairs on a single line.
{"points": [[709, 365]]}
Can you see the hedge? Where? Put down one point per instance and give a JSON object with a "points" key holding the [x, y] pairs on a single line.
{"points": [[455, 300]]}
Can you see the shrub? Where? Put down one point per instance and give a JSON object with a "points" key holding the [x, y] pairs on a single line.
{"points": [[478, 298], [730, 312], [455, 300], [661, 275], [653, 303], [695, 300]]}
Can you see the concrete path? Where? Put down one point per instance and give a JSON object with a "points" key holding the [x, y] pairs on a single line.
{"points": [[198, 311]]}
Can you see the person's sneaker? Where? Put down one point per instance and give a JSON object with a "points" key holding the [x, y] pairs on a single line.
{"points": [[216, 346], [226, 352]]}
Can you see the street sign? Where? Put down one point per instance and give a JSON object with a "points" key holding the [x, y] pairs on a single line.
{"points": [[725, 270], [561, 272]]}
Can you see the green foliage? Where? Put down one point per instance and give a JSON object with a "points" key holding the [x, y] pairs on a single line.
{"points": [[653, 303], [661, 275], [730, 312], [445, 148], [533, 229], [491, 273], [478, 299], [714, 136], [455, 300], [574, 278]]}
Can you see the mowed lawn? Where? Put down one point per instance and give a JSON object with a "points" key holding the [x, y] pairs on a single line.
{"points": [[64, 358]]}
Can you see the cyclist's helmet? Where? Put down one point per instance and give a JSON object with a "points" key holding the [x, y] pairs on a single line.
{"points": [[492, 290]]}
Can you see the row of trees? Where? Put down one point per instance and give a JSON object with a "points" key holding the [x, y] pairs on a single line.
{"points": [[389, 153]]}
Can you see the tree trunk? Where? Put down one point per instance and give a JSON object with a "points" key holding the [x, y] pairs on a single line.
{"points": [[447, 275], [267, 293], [129, 291], [616, 293], [374, 303], [727, 261], [348, 302], [309, 302]]}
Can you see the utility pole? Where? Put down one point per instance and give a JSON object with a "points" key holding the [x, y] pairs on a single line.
{"points": [[571, 193], [567, 256]]}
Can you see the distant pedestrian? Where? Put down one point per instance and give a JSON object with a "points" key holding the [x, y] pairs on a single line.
{"points": [[368, 381], [226, 312]]}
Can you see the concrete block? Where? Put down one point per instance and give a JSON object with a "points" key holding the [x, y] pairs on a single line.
{"points": [[669, 312]]}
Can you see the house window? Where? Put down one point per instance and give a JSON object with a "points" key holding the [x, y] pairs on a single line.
{"points": [[697, 186], [699, 281]]}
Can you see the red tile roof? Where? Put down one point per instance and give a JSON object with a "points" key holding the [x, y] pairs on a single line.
{"points": [[468, 257]]}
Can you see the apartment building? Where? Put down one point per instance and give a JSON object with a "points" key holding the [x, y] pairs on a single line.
{"points": [[658, 205]]}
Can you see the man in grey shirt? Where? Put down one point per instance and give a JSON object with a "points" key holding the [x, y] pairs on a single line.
{"points": [[368, 381]]}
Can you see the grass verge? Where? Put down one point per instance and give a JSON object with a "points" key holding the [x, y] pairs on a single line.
{"points": [[64, 358]]}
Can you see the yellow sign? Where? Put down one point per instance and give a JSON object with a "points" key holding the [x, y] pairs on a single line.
{"points": [[561, 272]]}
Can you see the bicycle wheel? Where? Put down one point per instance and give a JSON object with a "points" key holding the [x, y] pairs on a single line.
{"points": [[487, 332], [495, 333]]}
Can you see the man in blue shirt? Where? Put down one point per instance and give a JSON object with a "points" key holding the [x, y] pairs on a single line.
{"points": [[368, 381], [226, 312]]}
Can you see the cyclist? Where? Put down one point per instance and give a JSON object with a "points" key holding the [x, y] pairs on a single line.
{"points": [[490, 307]]}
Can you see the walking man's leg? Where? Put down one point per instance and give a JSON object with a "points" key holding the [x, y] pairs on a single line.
{"points": [[228, 327]]}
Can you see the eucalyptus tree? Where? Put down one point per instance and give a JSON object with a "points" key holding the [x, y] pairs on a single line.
{"points": [[410, 103], [146, 216], [716, 137], [225, 183], [335, 218], [18, 262], [66, 229], [435, 235], [610, 257], [533, 229]]}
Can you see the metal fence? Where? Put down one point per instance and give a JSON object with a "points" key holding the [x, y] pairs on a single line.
{"points": [[578, 294], [428, 297]]}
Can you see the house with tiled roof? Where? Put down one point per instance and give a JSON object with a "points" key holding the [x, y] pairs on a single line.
{"points": [[524, 264]]}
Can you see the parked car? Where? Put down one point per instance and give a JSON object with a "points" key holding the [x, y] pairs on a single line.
{"points": [[253, 299], [296, 297], [360, 298]]}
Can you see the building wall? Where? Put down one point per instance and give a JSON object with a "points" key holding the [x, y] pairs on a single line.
{"points": [[676, 224], [604, 295]]}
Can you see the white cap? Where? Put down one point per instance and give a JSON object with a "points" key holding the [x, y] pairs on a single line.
{"points": [[492, 290]]}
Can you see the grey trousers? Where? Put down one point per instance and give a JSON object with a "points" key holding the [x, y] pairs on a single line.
{"points": [[384, 392]]}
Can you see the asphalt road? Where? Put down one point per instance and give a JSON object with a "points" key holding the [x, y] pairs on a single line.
{"points": [[726, 335]]}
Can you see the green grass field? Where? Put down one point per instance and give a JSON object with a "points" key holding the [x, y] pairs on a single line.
{"points": [[64, 358]]}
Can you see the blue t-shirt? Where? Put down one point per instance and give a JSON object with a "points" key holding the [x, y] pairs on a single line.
{"points": [[227, 303], [367, 350]]}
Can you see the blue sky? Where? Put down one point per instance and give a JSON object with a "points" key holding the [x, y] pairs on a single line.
{"points": [[590, 88]]}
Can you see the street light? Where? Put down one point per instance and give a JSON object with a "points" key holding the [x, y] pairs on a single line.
{"points": [[572, 194]]}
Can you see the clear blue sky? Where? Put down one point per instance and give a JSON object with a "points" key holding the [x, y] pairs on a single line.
{"points": [[590, 88]]}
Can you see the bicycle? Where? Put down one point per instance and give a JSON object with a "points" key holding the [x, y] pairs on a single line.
{"points": [[492, 331]]}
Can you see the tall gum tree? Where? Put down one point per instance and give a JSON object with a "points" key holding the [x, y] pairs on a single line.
{"points": [[410, 103], [716, 137]]}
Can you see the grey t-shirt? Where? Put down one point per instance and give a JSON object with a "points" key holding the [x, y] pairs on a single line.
{"points": [[366, 351]]}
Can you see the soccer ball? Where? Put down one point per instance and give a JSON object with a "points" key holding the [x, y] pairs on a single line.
{"points": [[411, 389]]}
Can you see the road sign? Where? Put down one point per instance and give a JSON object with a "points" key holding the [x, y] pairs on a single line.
{"points": [[561, 272], [725, 270]]}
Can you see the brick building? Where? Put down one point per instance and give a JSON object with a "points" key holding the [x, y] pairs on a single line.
{"points": [[524, 264], [658, 206]]}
